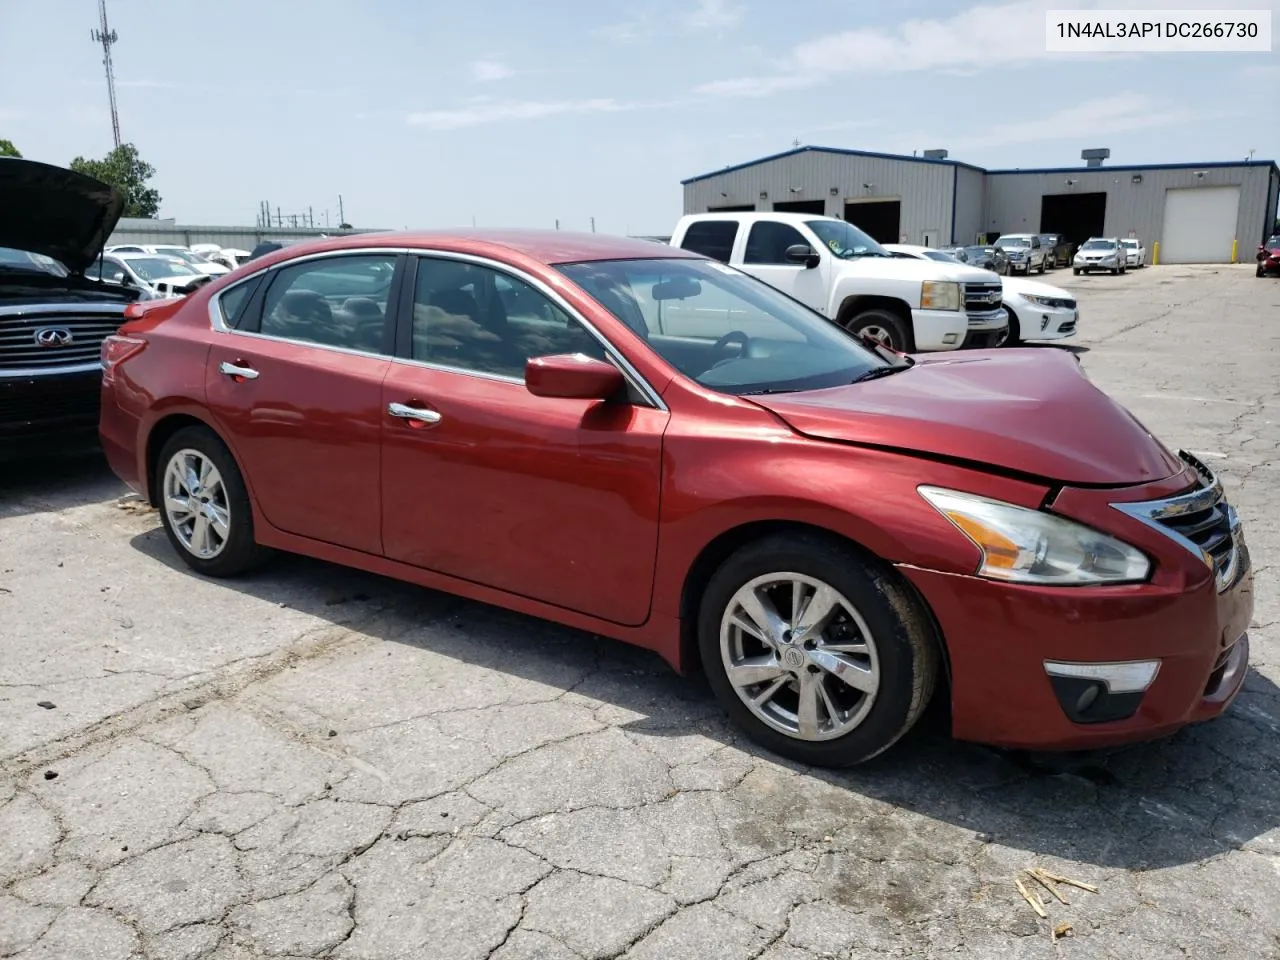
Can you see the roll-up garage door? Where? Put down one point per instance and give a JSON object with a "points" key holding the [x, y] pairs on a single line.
{"points": [[1199, 224]]}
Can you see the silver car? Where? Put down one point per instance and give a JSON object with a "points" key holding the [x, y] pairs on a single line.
{"points": [[1099, 253]]}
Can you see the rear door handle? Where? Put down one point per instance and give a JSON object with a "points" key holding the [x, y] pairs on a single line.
{"points": [[237, 372], [405, 412]]}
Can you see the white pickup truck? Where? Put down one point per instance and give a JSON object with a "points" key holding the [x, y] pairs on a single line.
{"points": [[835, 268]]}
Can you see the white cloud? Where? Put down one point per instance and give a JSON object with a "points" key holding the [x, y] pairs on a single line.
{"points": [[1260, 71], [1093, 118], [487, 71], [984, 37], [712, 15], [497, 112]]}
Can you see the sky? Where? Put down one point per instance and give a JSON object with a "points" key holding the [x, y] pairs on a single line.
{"points": [[438, 113]]}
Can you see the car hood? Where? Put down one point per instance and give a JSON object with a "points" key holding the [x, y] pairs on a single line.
{"points": [[55, 211], [904, 268], [1028, 411], [1022, 287]]}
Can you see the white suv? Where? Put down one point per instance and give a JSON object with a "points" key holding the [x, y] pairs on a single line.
{"points": [[1100, 253]]}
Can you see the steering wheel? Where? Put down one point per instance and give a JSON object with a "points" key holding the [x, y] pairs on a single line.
{"points": [[734, 336]]}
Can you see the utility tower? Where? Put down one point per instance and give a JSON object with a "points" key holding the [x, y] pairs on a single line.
{"points": [[106, 36]]}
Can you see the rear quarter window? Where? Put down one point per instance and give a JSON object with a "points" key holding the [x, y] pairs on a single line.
{"points": [[234, 302]]}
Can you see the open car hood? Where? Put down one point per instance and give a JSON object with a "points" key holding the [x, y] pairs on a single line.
{"points": [[1025, 411], [55, 211]]}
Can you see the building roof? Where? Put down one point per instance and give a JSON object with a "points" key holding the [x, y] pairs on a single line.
{"points": [[835, 150], [969, 166]]}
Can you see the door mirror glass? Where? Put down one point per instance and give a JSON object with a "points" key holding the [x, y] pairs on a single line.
{"points": [[573, 376], [803, 253]]}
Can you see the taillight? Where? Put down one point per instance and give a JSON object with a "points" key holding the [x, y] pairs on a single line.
{"points": [[116, 349]]}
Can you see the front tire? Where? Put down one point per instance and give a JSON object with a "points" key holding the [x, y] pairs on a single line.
{"points": [[1076, 271], [886, 327], [204, 504], [818, 654], [1014, 337]]}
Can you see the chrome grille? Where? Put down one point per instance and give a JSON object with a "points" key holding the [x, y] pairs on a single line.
{"points": [[47, 339], [1201, 520], [982, 297]]}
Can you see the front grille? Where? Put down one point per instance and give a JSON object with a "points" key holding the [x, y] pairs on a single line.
{"points": [[43, 340], [49, 406], [982, 297], [1201, 520]]}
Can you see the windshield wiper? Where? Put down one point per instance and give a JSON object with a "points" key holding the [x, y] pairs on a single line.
{"points": [[875, 373], [766, 390]]}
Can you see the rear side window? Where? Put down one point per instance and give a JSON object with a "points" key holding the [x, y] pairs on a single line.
{"points": [[711, 238], [338, 301], [235, 302]]}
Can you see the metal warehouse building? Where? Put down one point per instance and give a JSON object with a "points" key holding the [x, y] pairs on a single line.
{"points": [[1199, 213]]}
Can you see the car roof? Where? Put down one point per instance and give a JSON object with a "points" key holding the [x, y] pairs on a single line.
{"points": [[750, 216], [128, 255], [545, 246], [1018, 236]]}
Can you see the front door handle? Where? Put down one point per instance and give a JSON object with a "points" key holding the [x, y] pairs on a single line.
{"points": [[406, 412], [237, 372]]}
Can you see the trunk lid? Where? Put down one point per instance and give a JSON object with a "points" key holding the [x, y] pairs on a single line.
{"points": [[1025, 411]]}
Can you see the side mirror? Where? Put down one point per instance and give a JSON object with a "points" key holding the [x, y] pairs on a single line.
{"points": [[802, 253], [572, 376]]}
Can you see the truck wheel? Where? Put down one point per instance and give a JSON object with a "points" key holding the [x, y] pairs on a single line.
{"points": [[883, 326], [1014, 337], [1076, 271], [817, 653]]}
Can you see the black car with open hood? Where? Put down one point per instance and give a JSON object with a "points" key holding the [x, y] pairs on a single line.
{"points": [[53, 318]]}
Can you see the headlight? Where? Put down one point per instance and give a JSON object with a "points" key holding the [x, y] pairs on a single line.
{"points": [[1041, 301], [940, 295], [1030, 546]]}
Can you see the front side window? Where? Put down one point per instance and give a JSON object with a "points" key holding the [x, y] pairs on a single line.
{"points": [[711, 238], [768, 241], [333, 301], [473, 317], [724, 329]]}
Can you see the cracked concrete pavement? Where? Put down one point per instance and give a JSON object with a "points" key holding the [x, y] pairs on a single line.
{"points": [[313, 762]]}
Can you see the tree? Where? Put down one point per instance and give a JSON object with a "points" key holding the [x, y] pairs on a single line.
{"points": [[7, 149], [128, 173]]}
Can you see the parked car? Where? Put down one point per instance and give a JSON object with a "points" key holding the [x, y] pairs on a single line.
{"points": [[53, 319], [1099, 253], [270, 246], [1269, 256], [1135, 254], [192, 259], [982, 257], [1024, 252], [838, 270], [229, 257], [1036, 310], [161, 276], [653, 446], [1057, 249]]}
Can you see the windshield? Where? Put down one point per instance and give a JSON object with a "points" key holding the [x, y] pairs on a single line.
{"points": [[845, 240], [939, 255], [1132, 244], [35, 262], [1273, 240], [724, 329], [978, 253], [1004, 243], [159, 268], [1098, 245], [185, 255]]}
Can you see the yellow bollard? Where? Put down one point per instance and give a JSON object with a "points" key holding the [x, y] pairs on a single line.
{"points": [[1155, 254], [1234, 247]]}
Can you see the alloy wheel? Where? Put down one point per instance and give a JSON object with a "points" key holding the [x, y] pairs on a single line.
{"points": [[799, 656], [195, 504]]}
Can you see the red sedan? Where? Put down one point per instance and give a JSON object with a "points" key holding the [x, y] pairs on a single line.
{"points": [[646, 444]]}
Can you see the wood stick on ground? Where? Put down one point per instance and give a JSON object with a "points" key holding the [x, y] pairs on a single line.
{"points": [[1068, 881], [1036, 905], [1044, 881]]}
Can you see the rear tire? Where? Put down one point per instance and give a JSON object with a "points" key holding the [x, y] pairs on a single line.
{"points": [[885, 326], [204, 504], [875, 631]]}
